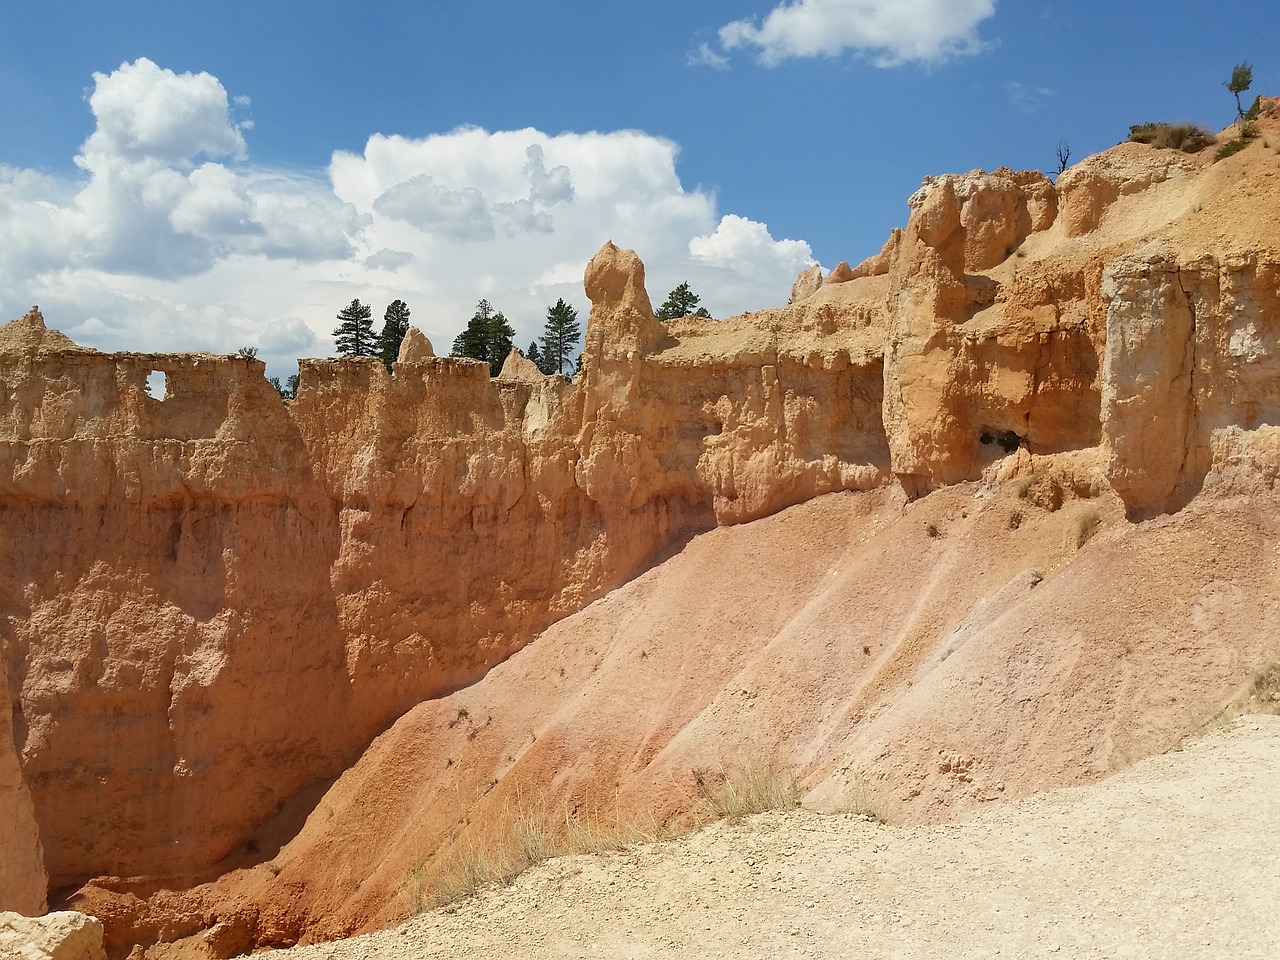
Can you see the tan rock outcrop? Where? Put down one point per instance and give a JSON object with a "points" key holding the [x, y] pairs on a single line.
{"points": [[415, 347], [1093, 185], [23, 882], [30, 336], [55, 936], [519, 367], [879, 265], [995, 212], [430, 523], [807, 283]]}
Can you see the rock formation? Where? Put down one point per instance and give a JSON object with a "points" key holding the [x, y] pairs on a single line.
{"points": [[56, 936], [212, 603], [415, 347]]}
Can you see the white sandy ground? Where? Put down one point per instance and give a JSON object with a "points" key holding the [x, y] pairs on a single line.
{"points": [[1178, 857]]}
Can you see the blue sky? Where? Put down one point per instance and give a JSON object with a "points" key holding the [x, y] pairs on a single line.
{"points": [[190, 175]]}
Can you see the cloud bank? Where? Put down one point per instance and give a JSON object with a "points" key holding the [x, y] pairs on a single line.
{"points": [[171, 238], [890, 32]]}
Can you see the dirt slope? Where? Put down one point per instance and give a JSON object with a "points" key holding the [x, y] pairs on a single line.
{"points": [[934, 656], [1174, 858]]}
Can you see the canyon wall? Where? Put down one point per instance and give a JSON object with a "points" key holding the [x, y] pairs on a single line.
{"points": [[211, 601]]}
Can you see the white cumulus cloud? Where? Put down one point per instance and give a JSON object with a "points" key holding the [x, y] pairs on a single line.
{"points": [[741, 243], [147, 111], [890, 32], [171, 238]]}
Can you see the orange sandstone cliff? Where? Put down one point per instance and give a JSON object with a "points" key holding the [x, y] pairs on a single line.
{"points": [[211, 604]]}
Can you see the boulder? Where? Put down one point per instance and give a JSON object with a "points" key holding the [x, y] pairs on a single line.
{"points": [[55, 936], [415, 347]]}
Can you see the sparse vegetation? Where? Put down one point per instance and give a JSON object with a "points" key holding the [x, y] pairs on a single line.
{"points": [[1087, 525], [1064, 155], [1241, 78], [487, 337], [1230, 149], [860, 801], [395, 324], [353, 336], [287, 390], [517, 838], [1187, 137], [742, 791], [931, 529], [1260, 695], [681, 302]]}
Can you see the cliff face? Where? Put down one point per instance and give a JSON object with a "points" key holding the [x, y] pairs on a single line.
{"points": [[212, 600]]}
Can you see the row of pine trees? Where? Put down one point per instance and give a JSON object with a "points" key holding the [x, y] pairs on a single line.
{"points": [[488, 335]]}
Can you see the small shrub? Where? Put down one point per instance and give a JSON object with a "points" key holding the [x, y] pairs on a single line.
{"points": [[931, 529], [1087, 525], [1186, 137], [860, 801], [1262, 695], [1264, 692], [745, 790], [1229, 149], [596, 833]]}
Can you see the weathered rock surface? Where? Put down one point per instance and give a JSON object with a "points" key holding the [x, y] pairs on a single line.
{"points": [[213, 600], [210, 604], [22, 878], [415, 347], [55, 936]]}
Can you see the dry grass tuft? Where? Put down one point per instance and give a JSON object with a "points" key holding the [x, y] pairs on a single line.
{"points": [[1087, 525], [742, 791], [1186, 137], [1260, 695], [497, 850], [1263, 695], [516, 837]]}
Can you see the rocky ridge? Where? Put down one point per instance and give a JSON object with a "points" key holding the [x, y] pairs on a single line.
{"points": [[1109, 339]]}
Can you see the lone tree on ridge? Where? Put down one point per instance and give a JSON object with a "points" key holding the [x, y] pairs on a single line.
{"points": [[1241, 80], [559, 337], [395, 324], [682, 302], [354, 334]]}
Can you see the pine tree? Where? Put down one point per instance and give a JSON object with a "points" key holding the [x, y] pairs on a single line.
{"points": [[1241, 79], [533, 354], [559, 337], [487, 337], [354, 334], [395, 324], [682, 302]]}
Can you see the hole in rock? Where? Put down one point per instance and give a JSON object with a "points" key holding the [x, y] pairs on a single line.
{"points": [[1007, 439], [156, 385]]}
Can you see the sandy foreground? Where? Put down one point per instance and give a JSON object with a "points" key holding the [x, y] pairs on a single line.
{"points": [[1177, 857]]}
